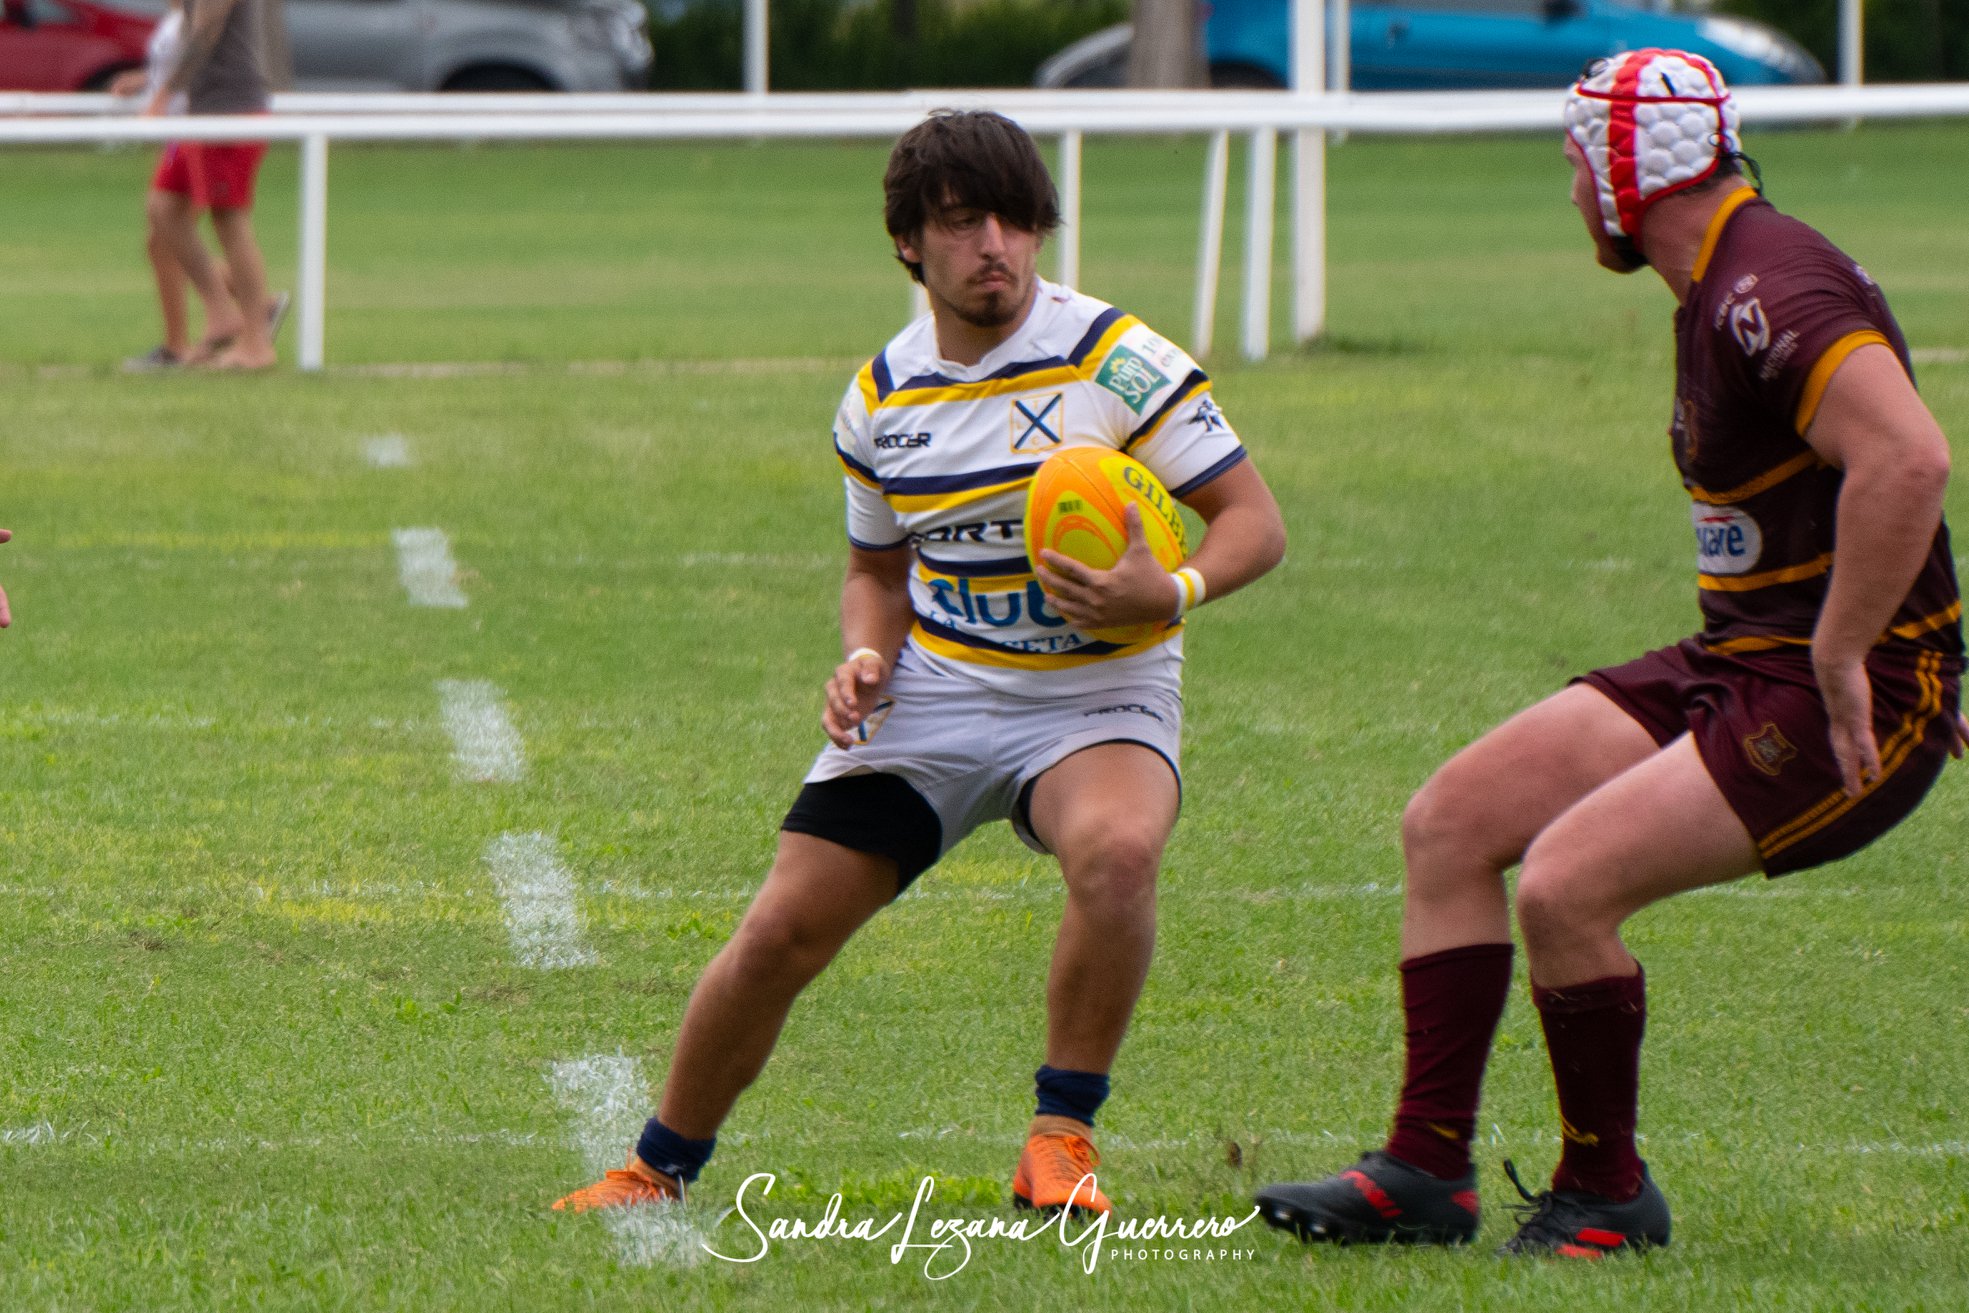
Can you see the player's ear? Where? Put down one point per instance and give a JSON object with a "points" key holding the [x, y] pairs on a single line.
{"points": [[907, 252]]}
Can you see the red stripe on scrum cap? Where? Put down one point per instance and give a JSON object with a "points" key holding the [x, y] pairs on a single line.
{"points": [[1623, 166]]}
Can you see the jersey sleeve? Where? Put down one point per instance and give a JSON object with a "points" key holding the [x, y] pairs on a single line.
{"points": [[1797, 327], [1163, 415], [872, 523]]}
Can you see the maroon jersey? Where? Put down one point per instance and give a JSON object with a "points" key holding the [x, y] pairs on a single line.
{"points": [[1774, 310]]}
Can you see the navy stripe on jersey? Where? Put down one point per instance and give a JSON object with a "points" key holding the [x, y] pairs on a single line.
{"points": [[931, 483], [1220, 467], [992, 569], [878, 370], [865, 471], [1102, 323], [1196, 380], [877, 547], [945, 632]]}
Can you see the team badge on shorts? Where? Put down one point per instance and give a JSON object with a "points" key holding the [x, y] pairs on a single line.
{"points": [[873, 720], [1768, 749]]}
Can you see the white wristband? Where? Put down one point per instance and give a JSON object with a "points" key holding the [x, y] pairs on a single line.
{"points": [[861, 652], [1189, 590]]}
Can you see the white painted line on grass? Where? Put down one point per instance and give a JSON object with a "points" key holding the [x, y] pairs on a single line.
{"points": [[389, 451], [539, 897], [424, 564], [607, 1098], [484, 743], [1939, 355]]}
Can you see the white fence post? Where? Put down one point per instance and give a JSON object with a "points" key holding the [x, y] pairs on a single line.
{"points": [[1309, 174], [1070, 209], [1210, 246], [755, 47], [313, 282], [1258, 244], [1852, 43]]}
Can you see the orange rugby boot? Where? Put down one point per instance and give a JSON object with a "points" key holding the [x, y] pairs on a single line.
{"points": [[1057, 1169], [625, 1187]]}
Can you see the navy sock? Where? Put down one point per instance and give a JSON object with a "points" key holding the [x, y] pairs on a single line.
{"points": [[671, 1154], [1075, 1094]]}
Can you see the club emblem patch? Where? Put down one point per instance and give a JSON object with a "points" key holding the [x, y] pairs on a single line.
{"points": [[1768, 749], [1038, 422]]}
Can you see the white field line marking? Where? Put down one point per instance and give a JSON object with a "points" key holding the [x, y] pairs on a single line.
{"points": [[390, 451], [1939, 355], [484, 743], [589, 368], [539, 897], [425, 566], [44, 1134], [609, 1102]]}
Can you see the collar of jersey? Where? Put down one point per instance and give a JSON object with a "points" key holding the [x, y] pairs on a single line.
{"points": [[1046, 303], [1718, 221]]}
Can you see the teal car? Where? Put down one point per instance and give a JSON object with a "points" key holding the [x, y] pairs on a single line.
{"points": [[1443, 45]]}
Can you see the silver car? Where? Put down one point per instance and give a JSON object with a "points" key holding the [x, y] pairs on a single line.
{"points": [[469, 45], [460, 45]]}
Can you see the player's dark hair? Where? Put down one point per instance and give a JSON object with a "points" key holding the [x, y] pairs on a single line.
{"points": [[968, 159]]}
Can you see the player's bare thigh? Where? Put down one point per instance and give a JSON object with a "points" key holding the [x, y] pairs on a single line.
{"points": [[817, 894], [1660, 828], [1481, 810], [1107, 808]]}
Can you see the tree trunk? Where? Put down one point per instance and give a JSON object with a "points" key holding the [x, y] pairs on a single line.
{"points": [[1167, 50]]}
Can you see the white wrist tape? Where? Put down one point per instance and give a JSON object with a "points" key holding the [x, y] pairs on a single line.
{"points": [[861, 652]]}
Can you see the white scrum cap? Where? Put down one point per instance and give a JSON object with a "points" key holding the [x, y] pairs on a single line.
{"points": [[1651, 123]]}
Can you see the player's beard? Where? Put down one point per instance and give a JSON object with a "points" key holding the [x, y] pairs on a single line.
{"points": [[995, 309]]}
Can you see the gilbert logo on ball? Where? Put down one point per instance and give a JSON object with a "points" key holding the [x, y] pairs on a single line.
{"points": [[1075, 506]]}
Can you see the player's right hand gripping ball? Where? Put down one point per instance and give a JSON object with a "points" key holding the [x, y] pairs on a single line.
{"points": [[1075, 507]]}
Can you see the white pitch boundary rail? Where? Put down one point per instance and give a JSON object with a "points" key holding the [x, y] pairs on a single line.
{"points": [[1065, 115]]}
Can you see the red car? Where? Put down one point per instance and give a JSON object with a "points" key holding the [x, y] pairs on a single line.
{"points": [[67, 45]]}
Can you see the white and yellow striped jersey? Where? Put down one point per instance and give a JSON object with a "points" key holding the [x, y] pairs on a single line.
{"points": [[938, 457]]}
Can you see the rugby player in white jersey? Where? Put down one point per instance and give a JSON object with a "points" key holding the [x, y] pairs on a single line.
{"points": [[970, 691]]}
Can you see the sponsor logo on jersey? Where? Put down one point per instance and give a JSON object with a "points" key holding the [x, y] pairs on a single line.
{"points": [[977, 531], [1727, 540], [1781, 353], [1768, 749], [1038, 422], [1131, 378], [955, 599], [902, 441], [1744, 284], [1749, 326]]}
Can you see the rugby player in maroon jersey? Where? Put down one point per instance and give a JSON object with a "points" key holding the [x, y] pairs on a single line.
{"points": [[1809, 716]]}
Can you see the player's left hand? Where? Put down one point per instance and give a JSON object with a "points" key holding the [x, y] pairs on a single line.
{"points": [[1137, 590], [1848, 695]]}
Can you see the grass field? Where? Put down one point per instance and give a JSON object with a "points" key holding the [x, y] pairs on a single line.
{"points": [[265, 1040]]}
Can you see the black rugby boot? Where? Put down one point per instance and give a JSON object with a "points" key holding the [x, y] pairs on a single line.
{"points": [[1379, 1200], [1573, 1224]]}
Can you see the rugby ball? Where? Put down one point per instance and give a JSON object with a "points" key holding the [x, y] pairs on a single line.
{"points": [[1075, 507]]}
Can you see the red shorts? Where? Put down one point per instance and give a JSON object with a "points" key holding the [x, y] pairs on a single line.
{"points": [[216, 175], [1760, 726]]}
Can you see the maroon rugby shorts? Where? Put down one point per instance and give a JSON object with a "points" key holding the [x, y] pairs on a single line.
{"points": [[1761, 728]]}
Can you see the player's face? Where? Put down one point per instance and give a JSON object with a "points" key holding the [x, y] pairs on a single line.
{"points": [[1586, 199], [976, 265]]}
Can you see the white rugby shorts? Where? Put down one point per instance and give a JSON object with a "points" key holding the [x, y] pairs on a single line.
{"points": [[970, 751]]}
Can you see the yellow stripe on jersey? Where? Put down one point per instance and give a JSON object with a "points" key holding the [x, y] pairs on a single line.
{"points": [[1770, 478], [865, 380], [1744, 583], [1057, 376], [1090, 363], [944, 501], [854, 473], [1137, 442], [1717, 222], [1828, 364], [1755, 643], [1927, 624], [995, 583], [979, 656]]}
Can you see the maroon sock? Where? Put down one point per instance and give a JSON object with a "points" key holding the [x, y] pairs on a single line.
{"points": [[1593, 1032], [1451, 1001]]}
